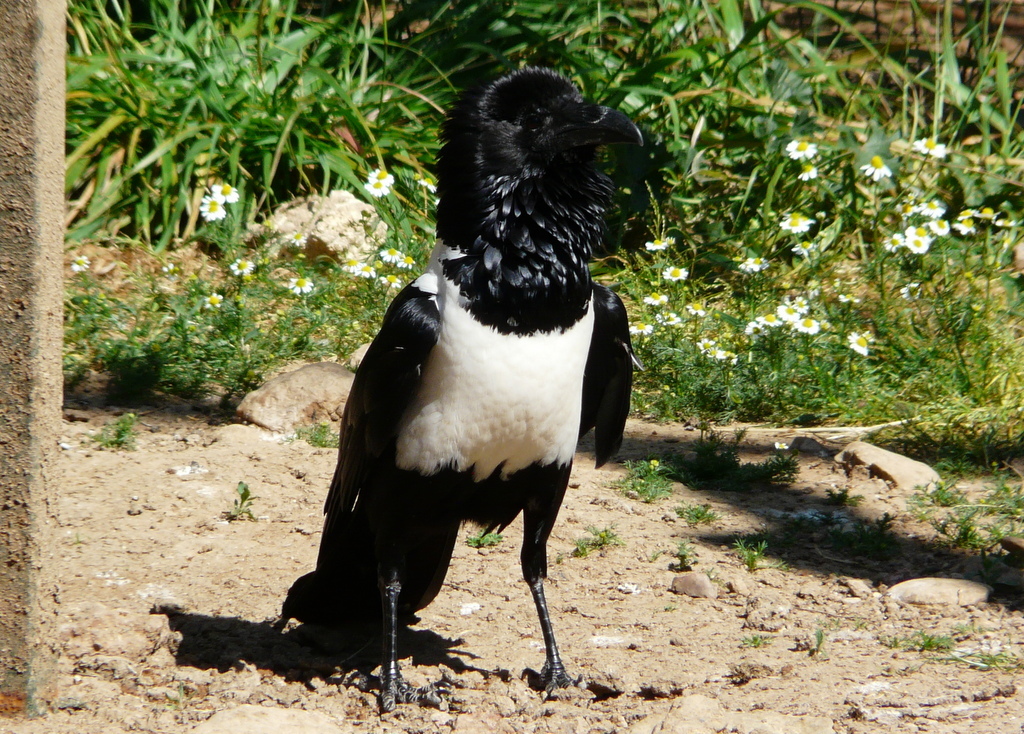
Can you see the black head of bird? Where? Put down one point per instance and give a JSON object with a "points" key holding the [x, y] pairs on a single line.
{"points": [[469, 402]]}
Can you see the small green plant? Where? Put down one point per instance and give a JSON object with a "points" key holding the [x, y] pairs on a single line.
{"points": [[752, 552], [695, 515], [842, 497], [242, 507], [715, 463], [685, 557], [919, 641], [985, 660], [647, 480], [321, 436], [757, 641], [484, 539], [599, 539], [873, 540], [818, 646], [118, 433]]}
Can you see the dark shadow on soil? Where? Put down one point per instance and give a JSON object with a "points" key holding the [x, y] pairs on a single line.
{"points": [[305, 651]]}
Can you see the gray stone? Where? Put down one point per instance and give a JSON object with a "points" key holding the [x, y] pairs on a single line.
{"points": [[858, 587], [807, 445], [1013, 545], [694, 584], [699, 714], [940, 591], [267, 720], [311, 394], [902, 472]]}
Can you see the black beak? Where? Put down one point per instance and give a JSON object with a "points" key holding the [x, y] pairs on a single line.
{"points": [[592, 124]]}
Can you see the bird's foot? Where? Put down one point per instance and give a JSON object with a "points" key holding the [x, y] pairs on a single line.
{"points": [[551, 678], [395, 691]]}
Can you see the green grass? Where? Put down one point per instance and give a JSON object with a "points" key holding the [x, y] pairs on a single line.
{"points": [[752, 553], [322, 435], [484, 539], [974, 525], [757, 641], [695, 515], [647, 480], [118, 433], [919, 641], [714, 463], [280, 102], [241, 508], [597, 539]]}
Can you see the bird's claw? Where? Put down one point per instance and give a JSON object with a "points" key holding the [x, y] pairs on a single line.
{"points": [[551, 678], [397, 691]]}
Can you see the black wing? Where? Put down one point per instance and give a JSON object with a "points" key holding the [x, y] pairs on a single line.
{"points": [[385, 383], [608, 378]]}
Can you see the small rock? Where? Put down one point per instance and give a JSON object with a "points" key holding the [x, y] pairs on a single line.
{"points": [[765, 613], [605, 684], [1013, 545], [857, 587], [338, 225], [356, 358], [940, 591], [902, 472], [737, 585], [807, 445], [746, 671], [267, 720], [312, 394], [698, 714], [694, 584]]}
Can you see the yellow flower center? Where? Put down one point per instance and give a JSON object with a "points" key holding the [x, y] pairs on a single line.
{"points": [[877, 162]]}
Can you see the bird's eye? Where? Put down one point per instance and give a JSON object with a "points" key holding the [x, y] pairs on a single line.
{"points": [[533, 120]]}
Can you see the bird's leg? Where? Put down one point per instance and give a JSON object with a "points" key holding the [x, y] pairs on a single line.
{"points": [[393, 687], [538, 519]]}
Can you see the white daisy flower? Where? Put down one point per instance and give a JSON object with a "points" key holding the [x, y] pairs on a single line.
{"points": [[406, 263], [986, 212], [224, 193], [656, 299], [910, 291], [212, 210], [242, 267], [696, 309], [674, 273], [298, 239], [804, 249], [843, 298], [365, 270], [171, 270], [807, 325], [352, 266], [781, 446], [931, 209], [391, 255], [907, 208], [800, 303], [669, 319], [965, 225], [808, 172], [753, 265], [859, 342], [213, 300], [706, 345], [917, 240], [893, 242], [427, 182], [379, 183], [930, 146], [788, 312], [876, 169], [801, 150], [660, 244], [771, 320], [796, 223], [80, 264], [723, 355], [754, 328], [939, 227], [641, 329], [300, 286], [391, 281]]}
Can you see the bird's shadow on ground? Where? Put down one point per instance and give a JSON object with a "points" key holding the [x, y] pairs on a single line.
{"points": [[305, 651]]}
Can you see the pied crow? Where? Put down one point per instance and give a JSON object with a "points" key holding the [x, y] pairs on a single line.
{"points": [[487, 369]]}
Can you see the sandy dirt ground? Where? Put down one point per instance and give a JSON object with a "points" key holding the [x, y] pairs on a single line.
{"points": [[168, 609]]}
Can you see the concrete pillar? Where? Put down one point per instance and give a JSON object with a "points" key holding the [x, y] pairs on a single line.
{"points": [[32, 46]]}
